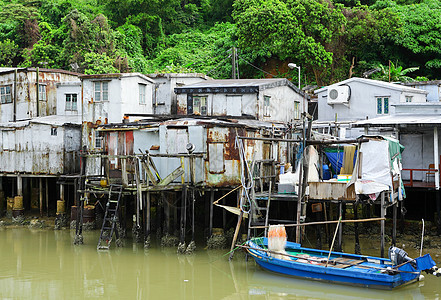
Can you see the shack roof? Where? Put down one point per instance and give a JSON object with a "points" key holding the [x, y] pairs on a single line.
{"points": [[6, 70], [179, 75], [378, 83], [47, 120], [241, 86], [401, 120], [116, 76], [193, 122]]}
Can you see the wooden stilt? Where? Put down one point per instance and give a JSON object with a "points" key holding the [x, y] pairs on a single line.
{"points": [[165, 200], [183, 213], [193, 200], [211, 212], [40, 191], [356, 232], [148, 218], [394, 229], [382, 210], [239, 222], [47, 196], [340, 229], [438, 212]]}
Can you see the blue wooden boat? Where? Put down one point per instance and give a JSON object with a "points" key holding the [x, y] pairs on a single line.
{"points": [[343, 268]]}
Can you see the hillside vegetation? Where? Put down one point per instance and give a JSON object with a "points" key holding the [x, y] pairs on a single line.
{"points": [[330, 39]]}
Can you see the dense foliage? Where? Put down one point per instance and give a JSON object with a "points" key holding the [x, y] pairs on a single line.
{"points": [[330, 39]]}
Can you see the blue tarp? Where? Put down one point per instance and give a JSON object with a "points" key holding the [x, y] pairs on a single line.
{"points": [[336, 159]]}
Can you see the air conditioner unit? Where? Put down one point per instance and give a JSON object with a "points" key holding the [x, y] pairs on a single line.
{"points": [[339, 94]]}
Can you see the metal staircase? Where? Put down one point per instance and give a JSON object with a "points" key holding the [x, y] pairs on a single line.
{"points": [[110, 218]]}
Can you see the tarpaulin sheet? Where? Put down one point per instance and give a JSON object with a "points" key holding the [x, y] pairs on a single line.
{"points": [[336, 157]]}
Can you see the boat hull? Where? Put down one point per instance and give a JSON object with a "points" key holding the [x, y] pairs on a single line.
{"points": [[364, 274]]}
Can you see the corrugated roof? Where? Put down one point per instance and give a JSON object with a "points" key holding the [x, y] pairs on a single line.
{"points": [[259, 84], [116, 75], [49, 120], [9, 70], [379, 83], [401, 119], [234, 83]]}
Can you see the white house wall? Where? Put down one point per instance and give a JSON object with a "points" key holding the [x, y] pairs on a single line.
{"points": [[164, 96], [32, 149], [130, 98], [362, 103], [281, 104], [68, 88]]}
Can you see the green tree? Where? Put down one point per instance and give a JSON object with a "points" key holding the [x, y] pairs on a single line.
{"points": [[8, 53], [297, 30], [394, 73], [95, 63]]}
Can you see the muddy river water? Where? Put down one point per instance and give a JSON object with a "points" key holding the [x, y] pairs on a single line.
{"points": [[44, 264]]}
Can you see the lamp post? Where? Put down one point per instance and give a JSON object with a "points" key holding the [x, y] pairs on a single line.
{"points": [[292, 66]]}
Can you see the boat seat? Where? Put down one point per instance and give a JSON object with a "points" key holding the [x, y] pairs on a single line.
{"points": [[342, 263]]}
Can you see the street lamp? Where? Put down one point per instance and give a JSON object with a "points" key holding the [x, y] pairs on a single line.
{"points": [[292, 66]]}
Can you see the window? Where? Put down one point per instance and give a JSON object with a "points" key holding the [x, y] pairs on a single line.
{"points": [[408, 98], [54, 131], [98, 142], [71, 101], [5, 92], [41, 92], [141, 93], [216, 158], [200, 105], [382, 105], [296, 110], [266, 105], [101, 91]]}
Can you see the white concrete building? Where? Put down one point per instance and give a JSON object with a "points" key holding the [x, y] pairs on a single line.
{"points": [[271, 100], [107, 98], [164, 97]]}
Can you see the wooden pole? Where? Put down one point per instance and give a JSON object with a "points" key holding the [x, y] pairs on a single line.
{"points": [[148, 219], [340, 229], [47, 196], [357, 237], [183, 213], [211, 212], [394, 229], [382, 210], [40, 191], [333, 240], [239, 222]]}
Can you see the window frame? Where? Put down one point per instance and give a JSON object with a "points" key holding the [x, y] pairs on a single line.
{"points": [[408, 98], [297, 110], [198, 108], [266, 106], [6, 94], [42, 92], [70, 106], [101, 92], [142, 96], [382, 104]]}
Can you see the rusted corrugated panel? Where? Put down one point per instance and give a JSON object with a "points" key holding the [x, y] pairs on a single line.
{"points": [[330, 190]]}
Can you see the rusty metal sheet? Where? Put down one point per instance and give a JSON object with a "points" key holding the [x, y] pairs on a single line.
{"points": [[330, 190]]}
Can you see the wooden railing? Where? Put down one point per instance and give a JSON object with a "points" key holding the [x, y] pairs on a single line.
{"points": [[412, 183]]}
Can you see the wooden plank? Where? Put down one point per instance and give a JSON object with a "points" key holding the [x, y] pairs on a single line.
{"points": [[172, 176]]}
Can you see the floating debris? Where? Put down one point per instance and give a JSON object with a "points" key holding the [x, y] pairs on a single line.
{"points": [[19, 220]]}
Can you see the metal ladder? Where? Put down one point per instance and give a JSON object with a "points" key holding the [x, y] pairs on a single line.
{"points": [[110, 217], [259, 215]]}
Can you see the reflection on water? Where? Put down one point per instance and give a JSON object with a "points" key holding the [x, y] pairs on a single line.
{"points": [[43, 264]]}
